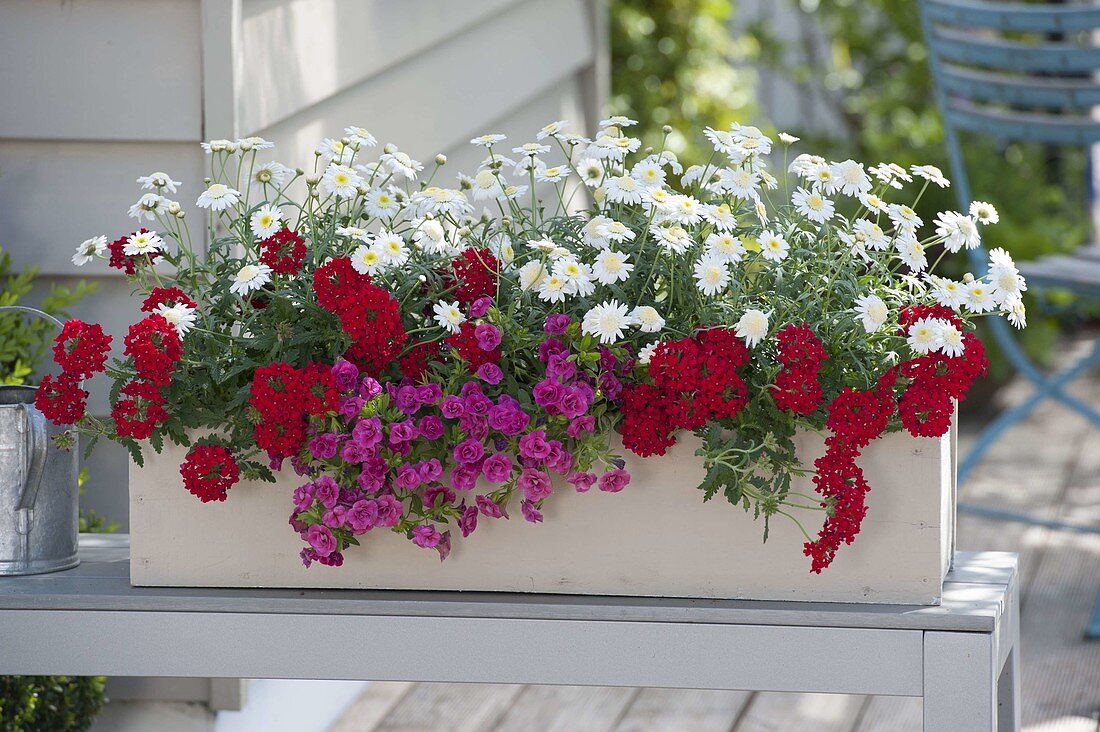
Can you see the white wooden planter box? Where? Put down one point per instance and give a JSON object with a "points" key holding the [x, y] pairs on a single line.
{"points": [[655, 538]]}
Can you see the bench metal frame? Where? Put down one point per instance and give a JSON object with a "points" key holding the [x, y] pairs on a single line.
{"points": [[960, 656]]}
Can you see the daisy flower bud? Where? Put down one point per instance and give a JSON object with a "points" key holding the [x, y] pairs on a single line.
{"points": [[440, 159]]}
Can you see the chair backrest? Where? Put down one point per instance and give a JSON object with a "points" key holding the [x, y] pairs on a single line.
{"points": [[1014, 71]]}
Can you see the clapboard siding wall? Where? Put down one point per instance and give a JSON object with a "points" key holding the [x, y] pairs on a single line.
{"points": [[94, 93]]}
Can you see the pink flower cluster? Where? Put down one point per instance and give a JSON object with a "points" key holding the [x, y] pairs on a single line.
{"points": [[415, 458]]}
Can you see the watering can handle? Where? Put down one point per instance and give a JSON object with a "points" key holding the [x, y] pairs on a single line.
{"points": [[37, 440]]}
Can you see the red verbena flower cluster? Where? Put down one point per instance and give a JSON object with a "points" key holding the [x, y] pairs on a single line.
{"points": [[81, 350], [695, 381], [140, 412], [801, 355], [935, 379], [475, 272], [284, 251], [285, 398], [855, 419], [414, 364], [209, 472], [156, 348], [368, 313], [166, 296]]}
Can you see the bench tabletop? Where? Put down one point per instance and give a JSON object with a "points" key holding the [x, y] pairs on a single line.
{"points": [[974, 599]]}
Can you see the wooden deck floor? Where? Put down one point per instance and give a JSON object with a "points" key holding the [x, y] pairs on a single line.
{"points": [[1048, 466]]}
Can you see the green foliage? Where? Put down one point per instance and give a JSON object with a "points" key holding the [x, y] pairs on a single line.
{"points": [[23, 339], [49, 703], [872, 73], [675, 62]]}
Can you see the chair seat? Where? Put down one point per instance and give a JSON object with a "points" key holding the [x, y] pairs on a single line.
{"points": [[1078, 271]]}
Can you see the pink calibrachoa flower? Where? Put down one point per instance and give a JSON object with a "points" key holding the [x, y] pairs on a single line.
{"points": [[497, 468], [535, 484], [426, 536], [583, 482], [467, 521], [479, 308], [321, 539], [469, 451], [490, 508], [362, 516], [530, 513], [614, 481], [488, 336], [490, 373]]}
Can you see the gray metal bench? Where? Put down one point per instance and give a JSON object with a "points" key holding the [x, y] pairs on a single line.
{"points": [[960, 656]]}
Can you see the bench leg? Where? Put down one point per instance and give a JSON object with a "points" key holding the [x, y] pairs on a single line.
{"points": [[1008, 694], [960, 683]]}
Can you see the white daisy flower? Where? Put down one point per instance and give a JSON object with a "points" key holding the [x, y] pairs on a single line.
{"points": [[617, 120], [366, 259], [891, 174], [266, 221], [948, 293], [431, 237], [648, 173], [979, 297], [360, 136], [951, 340], [335, 151], [486, 186], [984, 212], [180, 316], [904, 218], [925, 335], [806, 165], [449, 315], [752, 327], [872, 312], [723, 142], [551, 130], [250, 278], [684, 210], [157, 181], [1008, 284], [1017, 315], [218, 197], [711, 275], [488, 140], [851, 178], [354, 232], [531, 275], [141, 243], [721, 217], [611, 266], [931, 173], [341, 181], [873, 202], [695, 173], [787, 139], [381, 204], [531, 149], [674, 238], [391, 247], [553, 174], [740, 182], [89, 249], [606, 321], [773, 247], [725, 246], [400, 163], [552, 249], [218, 146], [871, 234], [245, 144], [622, 189], [813, 205], [148, 206], [554, 288], [617, 231], [591, 172], [823, 177], [594, 233], [911, 253], [958, 231], [273, 174], [647, 319], [577, 275]]}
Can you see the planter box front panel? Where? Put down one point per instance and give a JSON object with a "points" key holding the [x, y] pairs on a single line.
{"points": [[655, 538]]}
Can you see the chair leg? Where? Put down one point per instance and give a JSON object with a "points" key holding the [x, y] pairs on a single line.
{"points": [[1092, 630], [1045, 387]]}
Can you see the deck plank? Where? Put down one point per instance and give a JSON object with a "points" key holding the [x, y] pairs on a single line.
{"points": [[372, 706], [683, 710], [784, 712], [450, 707], [566, 709]]}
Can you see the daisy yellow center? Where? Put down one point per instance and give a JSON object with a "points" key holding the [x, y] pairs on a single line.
{"points": [[248, 273]]}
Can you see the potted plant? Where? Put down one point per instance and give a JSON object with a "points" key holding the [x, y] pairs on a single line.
{"points": [[444, 365]]}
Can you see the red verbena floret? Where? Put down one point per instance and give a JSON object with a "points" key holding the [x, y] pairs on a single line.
{"points": [[475, 272], [61, 399], [209, 471], [81, 349], [139, 414], [155, 346], [284, 251], [801, 355], [166, 296]]}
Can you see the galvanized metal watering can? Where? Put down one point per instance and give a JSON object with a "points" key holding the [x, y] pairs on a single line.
{"points": [[39, 496]]}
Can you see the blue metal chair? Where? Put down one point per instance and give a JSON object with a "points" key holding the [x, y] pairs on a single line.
{"points": [[989, 82]]}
